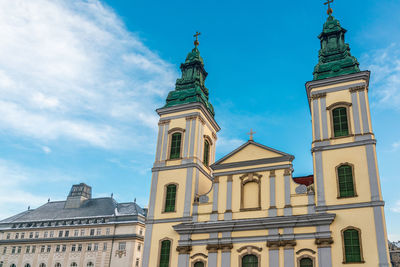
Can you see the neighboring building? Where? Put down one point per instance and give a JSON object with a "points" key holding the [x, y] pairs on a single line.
{"points": [[246, 209], [81, 231], [394, 250]]}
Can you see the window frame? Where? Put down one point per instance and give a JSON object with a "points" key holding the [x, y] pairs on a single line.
{"points": [[197, 261], [170, 133], [165, 197], [206, 138], [334, 106], [359, 240], [249, 250], [353, 176], [159, 251], [305, 256]]}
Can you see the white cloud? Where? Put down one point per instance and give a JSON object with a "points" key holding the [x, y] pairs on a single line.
{"points": [[46, 149], [226, 145], [71, 70], [16, 185], [396, 207], [385, 78]]}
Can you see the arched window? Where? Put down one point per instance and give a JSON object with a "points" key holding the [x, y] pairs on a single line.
{"points": [[13, 265], [199, 264], [306, 262], [57, 264], [352, 246], [175, 151], [74, 264], [345, 180], [250, 192], [90, 264], [27, 265], [165, 253], [250, 261], [340, 123], [206, 155], [170, 197], [42, 265]]}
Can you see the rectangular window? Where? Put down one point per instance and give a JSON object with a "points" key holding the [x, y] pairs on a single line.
{"points": [[46, 234], [48, 248], [137, 262], [4, 250], [36, 234], [141, 231], [139, 247], [346, 186], [64, 248], [79, 247], [60, 233], [352, 246], [98, 231], [27, 249], [122, 246], [170, 198], [8, 236], [16, 235], [42, 249], [340, 124], [89, 247], [175, 146], [108, 231], [58, 247], [19, 248], [13, 250], [76, 232], [31, 235], [22, 235], [82, 232], [96, 247], [91, 232], [73, 247], [165, 253], [104, 246], [51, 234], [66, 233], [33, 249], [206, 153]]}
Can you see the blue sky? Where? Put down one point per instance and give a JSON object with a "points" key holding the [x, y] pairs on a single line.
{"points": [[80, 80]]}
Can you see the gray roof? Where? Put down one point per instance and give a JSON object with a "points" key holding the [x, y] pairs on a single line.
{"points": [[96, 207]]}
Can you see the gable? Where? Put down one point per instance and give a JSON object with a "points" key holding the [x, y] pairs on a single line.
{"points": [[251, 151]]}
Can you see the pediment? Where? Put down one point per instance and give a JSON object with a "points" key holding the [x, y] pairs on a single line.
{"points": [[252, 151]]}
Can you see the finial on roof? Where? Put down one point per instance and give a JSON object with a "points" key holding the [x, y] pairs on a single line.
{"points": [[48, 200], [196, 42], [134, 200], [112, 195], [330, 10], [251, 133], [29, 207]]}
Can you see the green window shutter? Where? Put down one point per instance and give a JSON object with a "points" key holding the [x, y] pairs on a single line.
{"points": [[352, 245], [164, 253], [206, 155], [175, 152], [306, 262], [346, 186], [199, 264], [340, 124], [250, 261], [170, 198]]}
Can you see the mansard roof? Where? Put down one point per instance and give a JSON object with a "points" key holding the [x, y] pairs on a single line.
{"points": [[96, 207], [272, 156]]}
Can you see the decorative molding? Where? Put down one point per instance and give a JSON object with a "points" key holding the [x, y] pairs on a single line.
{"points": [[338, 104], [323, 147], [230, 178], [120, 253], [281, 243], [287, 172], [213, 248], [162, 122], [202, 120], [357, 88], [199, 255], [272, 173], [214, 135], [192, 117], [216, 180], [318, 95], [176, 129], [184, 249], [324, 242], [305, 250], [350, 206], [252, 162], [268, 168], [249, 249]]}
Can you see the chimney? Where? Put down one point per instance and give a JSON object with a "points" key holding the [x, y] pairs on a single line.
{"points": [[78, 194]]}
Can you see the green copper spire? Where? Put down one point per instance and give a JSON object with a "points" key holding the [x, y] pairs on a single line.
{"points": [[191, 88], [334, 56]]}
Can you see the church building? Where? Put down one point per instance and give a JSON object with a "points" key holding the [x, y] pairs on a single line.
{"points": [[246, 209]]}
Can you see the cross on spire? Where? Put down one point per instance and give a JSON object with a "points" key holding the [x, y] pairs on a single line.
{"points": [[330, 11], [196, 42], [251, 133]]}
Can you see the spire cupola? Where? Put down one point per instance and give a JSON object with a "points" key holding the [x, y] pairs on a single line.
{"points": [[190, 88], [334, 56]]}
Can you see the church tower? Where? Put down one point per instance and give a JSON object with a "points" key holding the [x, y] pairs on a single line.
{"points": [[344, 154], [181, 172]]}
